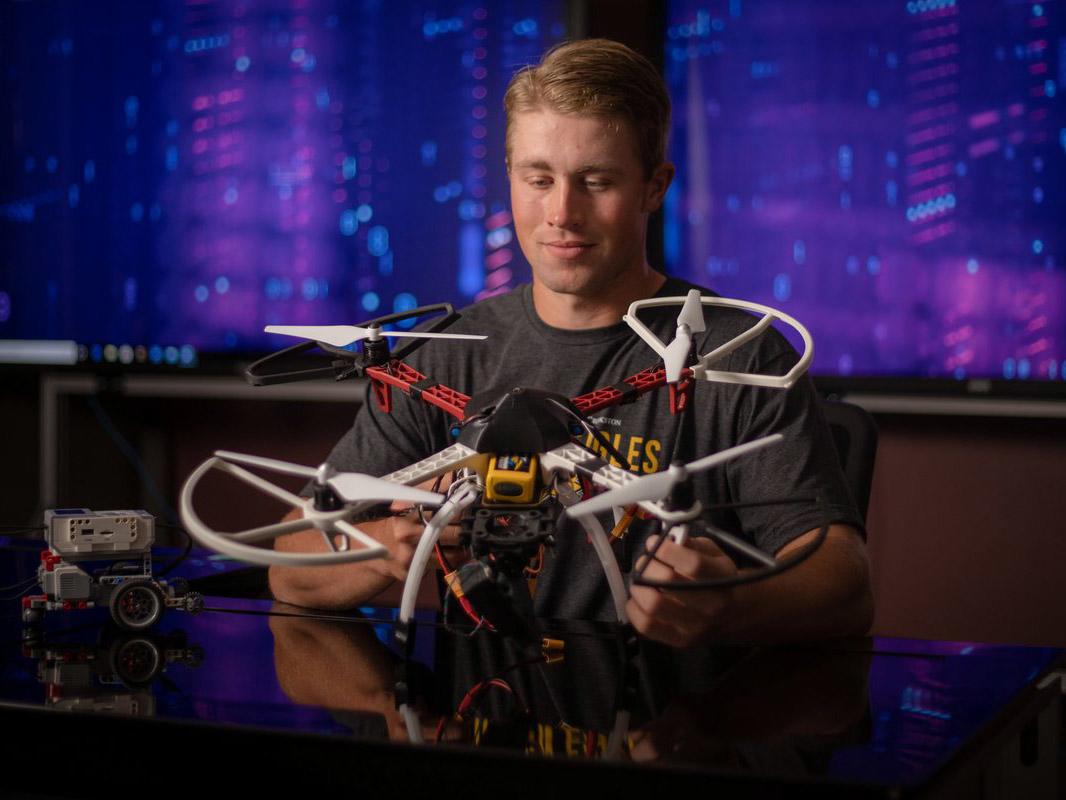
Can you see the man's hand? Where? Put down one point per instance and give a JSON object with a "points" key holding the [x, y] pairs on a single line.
{"points": [[681, 618], [827, 595], [347, 585], [405, 530]]}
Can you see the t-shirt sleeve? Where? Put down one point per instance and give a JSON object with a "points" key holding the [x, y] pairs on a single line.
{"points": [[803, 469]]}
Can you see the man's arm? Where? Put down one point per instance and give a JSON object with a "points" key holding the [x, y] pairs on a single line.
{"points": [[378, 581], [827, 595]]}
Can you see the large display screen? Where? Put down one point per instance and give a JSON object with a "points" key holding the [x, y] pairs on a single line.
{"points": [[175, 175], [891, 172]]}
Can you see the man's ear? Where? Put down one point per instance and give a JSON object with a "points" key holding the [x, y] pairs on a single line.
{"points": [[657, 185]]}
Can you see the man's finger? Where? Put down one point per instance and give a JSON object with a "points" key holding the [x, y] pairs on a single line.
{"points": [[671, 606], [697, 559], [654, 627]]}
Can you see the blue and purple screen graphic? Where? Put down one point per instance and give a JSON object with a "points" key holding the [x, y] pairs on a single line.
{"points": [[892, 173], [176, 175]]}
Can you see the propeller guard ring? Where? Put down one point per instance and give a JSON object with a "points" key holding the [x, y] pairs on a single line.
{"points": [[329, 523], [701, 370]]}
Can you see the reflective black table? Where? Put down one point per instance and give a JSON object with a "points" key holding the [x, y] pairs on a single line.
{"points": [[250, 695]]}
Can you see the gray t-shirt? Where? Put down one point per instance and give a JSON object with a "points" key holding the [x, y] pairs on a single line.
{"points": [[523, 351]]}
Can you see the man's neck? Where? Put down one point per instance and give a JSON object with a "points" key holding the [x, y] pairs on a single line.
{"points": [[578, 312]]}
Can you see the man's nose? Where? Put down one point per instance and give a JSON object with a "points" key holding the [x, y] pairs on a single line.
{"points": [[564, 207]]}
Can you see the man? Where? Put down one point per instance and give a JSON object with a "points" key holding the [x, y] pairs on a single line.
{"points": [[586, 138]]}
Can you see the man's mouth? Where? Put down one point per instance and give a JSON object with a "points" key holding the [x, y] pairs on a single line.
{"points": [[568, 249]]}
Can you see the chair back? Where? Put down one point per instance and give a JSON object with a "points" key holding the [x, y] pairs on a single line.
{"points": [[855, 435]]}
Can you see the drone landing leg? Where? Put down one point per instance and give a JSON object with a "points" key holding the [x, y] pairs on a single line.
{"points": [[680, 395], [452, 508], [602, 546], [383, 395], [412, 723]]}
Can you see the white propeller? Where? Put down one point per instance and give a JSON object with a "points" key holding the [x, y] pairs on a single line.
{"points": [[689, 321], [343, 335], [675, 355], [692, 312], [659, 484], [351, 487]]}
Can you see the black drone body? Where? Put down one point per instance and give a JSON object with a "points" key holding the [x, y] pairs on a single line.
{"points": [[519, 420]]}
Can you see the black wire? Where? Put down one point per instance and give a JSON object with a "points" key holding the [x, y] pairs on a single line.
{"points": [[18, 584], [181, 556], [597, 434], [26, 586], [743, 578], [450, 627]]}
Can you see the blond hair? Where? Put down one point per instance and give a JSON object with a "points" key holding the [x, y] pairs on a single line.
{"points": [[596, 77]]}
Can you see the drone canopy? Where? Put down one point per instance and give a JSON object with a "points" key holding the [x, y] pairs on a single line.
{"points": [[518, 420]]}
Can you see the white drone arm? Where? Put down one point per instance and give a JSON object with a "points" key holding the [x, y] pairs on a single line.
{"points": [[573, 459], [447, 460]]}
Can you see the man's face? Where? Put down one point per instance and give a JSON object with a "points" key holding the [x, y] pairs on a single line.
{"points": [[580, 200]]}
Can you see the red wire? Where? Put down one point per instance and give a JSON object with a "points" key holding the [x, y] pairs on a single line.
{"points": [[469, 698], [464, 603]]}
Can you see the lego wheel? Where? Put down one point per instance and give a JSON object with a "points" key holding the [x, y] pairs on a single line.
{"points": [[137, 662], [136, 605]]}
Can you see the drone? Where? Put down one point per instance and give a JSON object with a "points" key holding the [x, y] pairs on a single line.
{"points": [[518, 465]]}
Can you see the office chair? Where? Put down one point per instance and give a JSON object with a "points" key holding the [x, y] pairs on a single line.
{"points": [[855, 436]]}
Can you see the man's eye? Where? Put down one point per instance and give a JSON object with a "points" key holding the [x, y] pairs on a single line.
{"points": [[539, 183], [595, 185]]}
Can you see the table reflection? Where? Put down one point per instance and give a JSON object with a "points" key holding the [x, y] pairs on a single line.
{"points": [[597, 696]]}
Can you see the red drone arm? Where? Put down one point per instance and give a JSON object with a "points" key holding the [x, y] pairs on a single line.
{"points": [[413, 382], [633, 387]]}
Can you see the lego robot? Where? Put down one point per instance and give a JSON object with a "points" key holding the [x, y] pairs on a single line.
{"points": [[122, 542]]}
